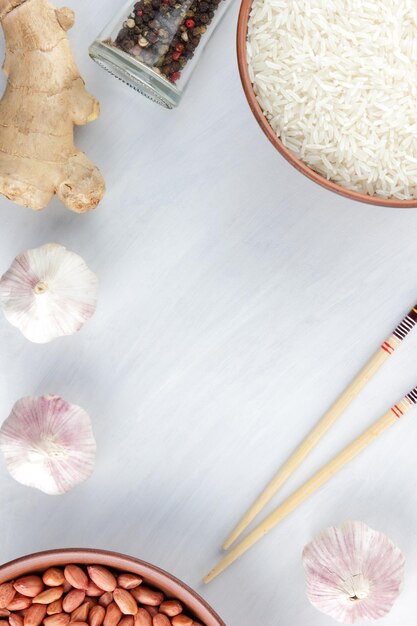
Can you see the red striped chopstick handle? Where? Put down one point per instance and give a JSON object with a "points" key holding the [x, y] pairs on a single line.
{"points": [[401, 332], [405, 404]]}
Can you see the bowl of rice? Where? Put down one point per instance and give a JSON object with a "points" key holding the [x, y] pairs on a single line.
{"points": [[333, 85]]}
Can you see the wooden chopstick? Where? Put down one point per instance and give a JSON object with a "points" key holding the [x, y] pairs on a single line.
{"points": [[321, 477], [318, 432]]}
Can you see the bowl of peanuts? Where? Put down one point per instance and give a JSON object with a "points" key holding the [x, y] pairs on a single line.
{"points": [[80, 587]]}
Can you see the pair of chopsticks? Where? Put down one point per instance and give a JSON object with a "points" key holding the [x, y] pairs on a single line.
{"points": [[304, 449]]}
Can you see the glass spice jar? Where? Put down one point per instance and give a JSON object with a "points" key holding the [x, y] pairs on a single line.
{"points": [[153, 45]]}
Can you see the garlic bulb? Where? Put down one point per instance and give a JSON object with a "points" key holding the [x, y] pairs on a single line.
{"points": [[353, 573], [48, 444], [48, 292]]}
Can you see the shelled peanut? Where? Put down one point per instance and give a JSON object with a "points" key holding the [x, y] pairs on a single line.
{"points": [[94, 596]]}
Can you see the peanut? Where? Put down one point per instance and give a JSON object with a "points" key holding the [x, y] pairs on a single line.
{"points": [[146, 595], [96, 616], [60, 619], [19, 603], [143, 618], [35, 615], [128, 581], [29, 586], [113, 615], [76, 577], [73, 600], [7, 593], [54, 607], [53, 577], [125, 601], [106, 599], [171, 608], [80, 614], [49, 595], [93, 590], [102, 577], [15, 620]]}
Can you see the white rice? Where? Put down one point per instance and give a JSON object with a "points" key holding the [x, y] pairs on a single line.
{"points": [[337, 80]]}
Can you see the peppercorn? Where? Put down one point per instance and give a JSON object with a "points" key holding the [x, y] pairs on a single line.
{"points": [[175, 76], [179, 48], [121, 34], [189, 23]]}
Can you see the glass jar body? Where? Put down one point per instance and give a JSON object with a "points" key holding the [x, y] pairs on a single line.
{"points": [[154, 45]]}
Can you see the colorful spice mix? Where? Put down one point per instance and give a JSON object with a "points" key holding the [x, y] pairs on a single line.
{"points": [[164, 34]]}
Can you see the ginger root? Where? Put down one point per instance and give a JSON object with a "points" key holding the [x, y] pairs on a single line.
{"points": [[45, 96]]}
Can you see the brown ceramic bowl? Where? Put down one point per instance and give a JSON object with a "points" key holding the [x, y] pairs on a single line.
{"points": [[242, 30], [152, 575]]}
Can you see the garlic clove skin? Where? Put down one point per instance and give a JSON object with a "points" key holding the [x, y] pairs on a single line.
{"points": [[353, 573], [48, 444], [48, 292]]}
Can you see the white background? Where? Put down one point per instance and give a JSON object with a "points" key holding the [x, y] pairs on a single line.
{"points": [[237, 300]]}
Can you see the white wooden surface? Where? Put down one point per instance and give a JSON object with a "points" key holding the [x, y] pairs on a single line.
{"points": [[237, 300]]}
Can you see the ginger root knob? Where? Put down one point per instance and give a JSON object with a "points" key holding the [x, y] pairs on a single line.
{"points": [[39, 109], [65, 17]]}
